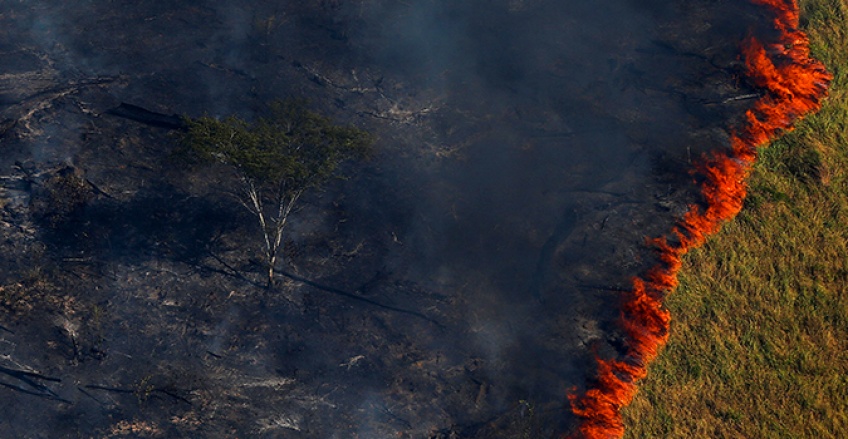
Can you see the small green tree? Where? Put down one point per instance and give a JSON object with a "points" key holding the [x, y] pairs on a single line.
{"points": [[277, 159]]}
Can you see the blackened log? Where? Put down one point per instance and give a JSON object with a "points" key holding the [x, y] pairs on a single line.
{"points": [[145, 116]]}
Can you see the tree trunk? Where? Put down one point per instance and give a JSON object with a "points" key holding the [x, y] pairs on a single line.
{"points": [[271, 263]]}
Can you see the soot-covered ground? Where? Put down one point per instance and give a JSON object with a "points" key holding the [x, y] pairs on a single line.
{"points": [[455, 286]]}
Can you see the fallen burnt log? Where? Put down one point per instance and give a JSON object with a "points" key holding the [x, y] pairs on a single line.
{"points": [[29, 383], [145, 116]]}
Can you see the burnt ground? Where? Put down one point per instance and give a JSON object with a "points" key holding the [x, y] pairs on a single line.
{"points": [[455, 286]]}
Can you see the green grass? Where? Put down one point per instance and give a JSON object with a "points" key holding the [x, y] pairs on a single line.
{"points": [[759, 342]]}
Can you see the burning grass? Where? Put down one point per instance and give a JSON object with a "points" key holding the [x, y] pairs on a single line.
{"points": [[758, 347], [792, 85]]}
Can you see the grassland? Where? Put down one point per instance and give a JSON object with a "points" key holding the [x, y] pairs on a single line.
{"points": [[759, 342]]}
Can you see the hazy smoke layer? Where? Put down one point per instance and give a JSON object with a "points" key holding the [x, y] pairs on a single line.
{"points": [[526, 149]]}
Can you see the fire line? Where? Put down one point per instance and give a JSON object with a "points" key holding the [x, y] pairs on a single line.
{"points": [[793, 84]]}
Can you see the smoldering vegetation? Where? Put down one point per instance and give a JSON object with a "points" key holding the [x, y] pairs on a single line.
{"points": [[458, 285]]}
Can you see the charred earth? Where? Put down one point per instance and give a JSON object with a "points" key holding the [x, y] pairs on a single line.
{"points": [[457, 286]]}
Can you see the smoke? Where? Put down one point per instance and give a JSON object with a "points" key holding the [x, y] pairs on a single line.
{"points": [[527, 147], [547, 117]]}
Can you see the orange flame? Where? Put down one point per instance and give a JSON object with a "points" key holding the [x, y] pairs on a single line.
{"points": [[793, 84]]}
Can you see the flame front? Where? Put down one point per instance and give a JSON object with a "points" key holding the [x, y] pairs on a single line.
{"points": [[792, 85]]}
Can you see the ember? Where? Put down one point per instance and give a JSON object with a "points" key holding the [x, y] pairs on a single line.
{"points": [[793, 84]]}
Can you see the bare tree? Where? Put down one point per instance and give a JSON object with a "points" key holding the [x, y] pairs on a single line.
{"points": [[277, 159]]}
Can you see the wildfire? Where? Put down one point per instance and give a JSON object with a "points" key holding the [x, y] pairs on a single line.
{"points": [[793, 84]]}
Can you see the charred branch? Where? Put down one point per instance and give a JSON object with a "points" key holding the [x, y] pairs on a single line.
{"points": [[141, 391], [357, 298], [21, 114], [147, 117], [32, 387]]}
